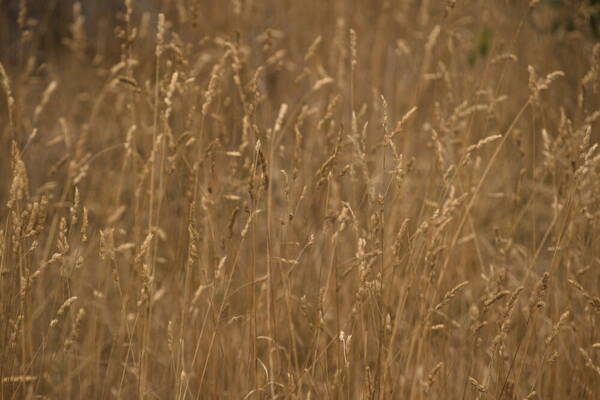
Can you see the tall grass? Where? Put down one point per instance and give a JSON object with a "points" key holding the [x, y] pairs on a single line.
{"points": [[306, 200]]}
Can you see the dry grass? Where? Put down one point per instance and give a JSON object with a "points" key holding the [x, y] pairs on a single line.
{"points": [[306, 200]]}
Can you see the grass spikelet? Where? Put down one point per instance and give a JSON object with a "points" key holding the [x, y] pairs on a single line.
{"points": [[62, 310]]}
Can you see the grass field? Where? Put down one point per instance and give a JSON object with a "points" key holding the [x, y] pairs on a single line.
{"points": [[257, 199]]}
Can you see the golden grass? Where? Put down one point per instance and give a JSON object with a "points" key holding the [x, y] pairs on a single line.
{"points": [[306, 200]]}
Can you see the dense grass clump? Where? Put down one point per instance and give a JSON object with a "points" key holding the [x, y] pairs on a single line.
{"points": [[299, 199]]}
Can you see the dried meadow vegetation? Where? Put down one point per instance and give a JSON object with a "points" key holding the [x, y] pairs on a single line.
{"points": [[308, 200]]}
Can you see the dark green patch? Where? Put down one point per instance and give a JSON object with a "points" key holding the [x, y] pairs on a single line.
{"points": [[481, 46]]}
